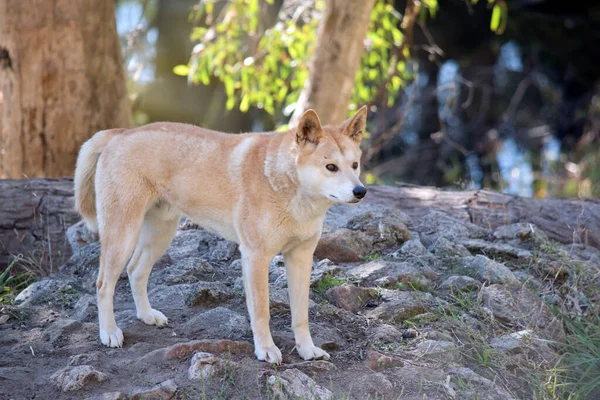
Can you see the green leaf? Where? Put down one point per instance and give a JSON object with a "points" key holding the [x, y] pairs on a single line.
{"points": [[496, 16], [245, 103], [230, 103], [181, 70]]}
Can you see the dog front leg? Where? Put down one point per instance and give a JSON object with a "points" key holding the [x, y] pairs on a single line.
{"points": [[255, 269], [298, 264]]}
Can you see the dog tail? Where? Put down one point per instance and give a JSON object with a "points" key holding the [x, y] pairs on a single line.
{"points": [[85, 176]]}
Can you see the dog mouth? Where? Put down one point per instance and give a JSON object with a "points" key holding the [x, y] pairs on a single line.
{"points": [[335, 198]]}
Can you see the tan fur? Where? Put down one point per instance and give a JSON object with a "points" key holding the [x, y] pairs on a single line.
{"points": [[268, 192]]}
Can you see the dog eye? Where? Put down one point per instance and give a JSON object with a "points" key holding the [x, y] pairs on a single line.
{"points": [[331, 167], [355, 165]]}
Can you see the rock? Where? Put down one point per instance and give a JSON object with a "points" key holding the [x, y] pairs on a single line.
{"points": [[296, 384], [497, 249], [389, 273], [182, 351], [83, 266], [410, 333], [438, 350], [85, 308], [49, 292], [206, 293], [486, 270], [383, 228], [79, 236], [436, 224], [377, 361], [190, 270], [343, 245], [484, 388], [4, 318], [204, 366], [519, 307], [444, 248], [70, 379], [460, 283], [516, 342], [164, 391], [83, 359], [219, 322], [399, 306], [414, 252], [277, 273], [61, 329], [225, 251], [191, 294], [322, 269], [384, 334], [350, 297], [109, 396], [522, 231]]}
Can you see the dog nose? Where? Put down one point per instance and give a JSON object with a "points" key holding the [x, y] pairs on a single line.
{"points": [[359, 191]]}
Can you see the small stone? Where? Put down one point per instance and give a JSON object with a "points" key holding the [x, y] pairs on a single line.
{"points": [[522, 231], [203, 366], [70, 379], [189, 270], [182, 351], [322, 269], [343, 245], [79, 236], [85, 308], [82, 359], [516, 342], [296, 384], [486, 270], [109, 396], [349, 297], [410, 333], [497, 249], [444, 248], [385, 228], [398, 306], [4, 318], [164, 391], [377, 361], [384, 333], [388, 273], [461, 284], [61, 329], [225, 251]]}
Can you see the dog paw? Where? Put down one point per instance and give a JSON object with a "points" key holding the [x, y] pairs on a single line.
{"points": [[113, 338], [154, 317], [312, 352], [270, 354]]}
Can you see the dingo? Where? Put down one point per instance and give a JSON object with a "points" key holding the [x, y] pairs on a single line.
{"points": [[268, 192]]}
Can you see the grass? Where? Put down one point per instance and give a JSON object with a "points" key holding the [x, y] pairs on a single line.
{"points": [[326, 283], [577, 373], [12, 284]]}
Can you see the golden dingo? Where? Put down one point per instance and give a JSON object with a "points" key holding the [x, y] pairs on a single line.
{"points": [[268, 192]]}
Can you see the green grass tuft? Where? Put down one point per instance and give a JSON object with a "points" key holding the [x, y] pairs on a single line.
{"points": [[11, 284]]}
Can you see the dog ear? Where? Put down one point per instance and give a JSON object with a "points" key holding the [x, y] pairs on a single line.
{"points": [[354, 127], [309, 129]]}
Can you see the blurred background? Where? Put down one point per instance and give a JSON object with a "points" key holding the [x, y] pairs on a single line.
{"points": [[462, 93]]}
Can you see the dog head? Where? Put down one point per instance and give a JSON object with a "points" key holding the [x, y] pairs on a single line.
{"points": [[328, 161]]}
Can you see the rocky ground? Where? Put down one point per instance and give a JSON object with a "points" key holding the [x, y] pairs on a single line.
{"points": [[434, 308]]}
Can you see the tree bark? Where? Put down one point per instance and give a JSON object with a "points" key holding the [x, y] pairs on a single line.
{"points": [[61, 80], [35, 214], [340, 46]]}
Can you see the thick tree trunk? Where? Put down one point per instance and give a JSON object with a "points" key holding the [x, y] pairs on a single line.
{"points": [[61, 80], [340, 46], [35, 214]]}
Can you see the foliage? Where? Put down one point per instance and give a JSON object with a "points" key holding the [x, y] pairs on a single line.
{"points": [[11, 285], [266, 67]]}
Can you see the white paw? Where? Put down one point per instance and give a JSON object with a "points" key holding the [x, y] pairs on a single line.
{"points": [[270, 354], [113, 338], [154, 317], [312, 352]]}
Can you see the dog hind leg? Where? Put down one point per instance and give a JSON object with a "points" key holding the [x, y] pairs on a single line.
{"points": [[158, 229]]}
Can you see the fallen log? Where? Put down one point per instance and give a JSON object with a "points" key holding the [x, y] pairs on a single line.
{"points": [[34, 214]]}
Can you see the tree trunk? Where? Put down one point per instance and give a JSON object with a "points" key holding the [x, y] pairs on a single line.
{"points": [[340, 46], [35, 214], [61, 80]]}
